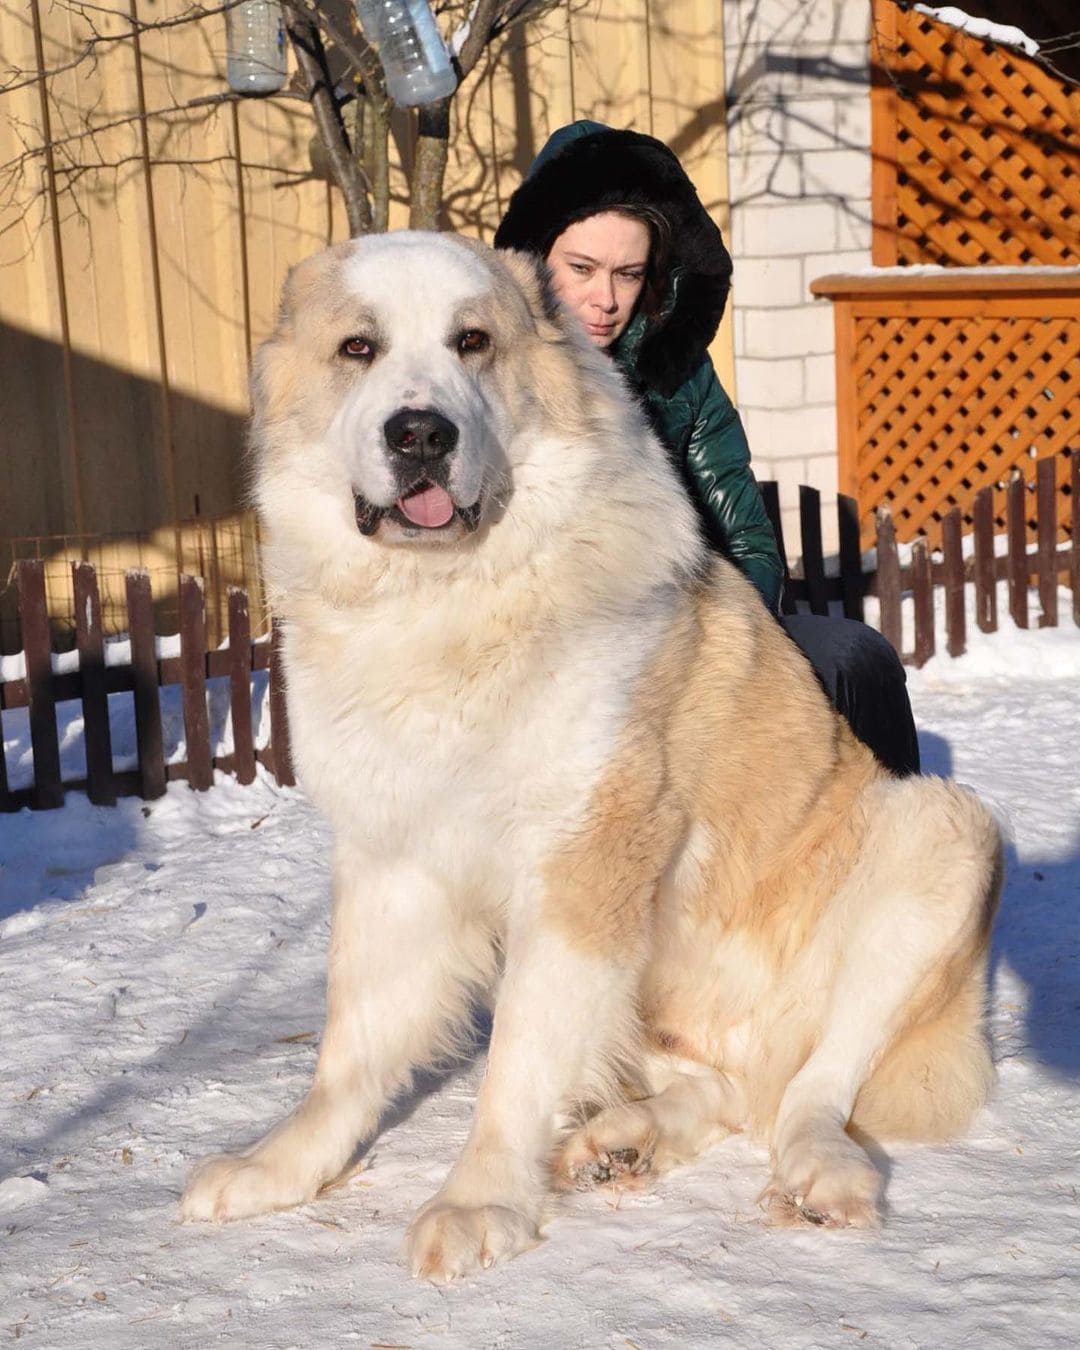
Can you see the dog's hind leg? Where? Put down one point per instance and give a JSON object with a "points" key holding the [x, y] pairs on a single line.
{"points": [[623, 1144], [399, 981], [903, 953]]}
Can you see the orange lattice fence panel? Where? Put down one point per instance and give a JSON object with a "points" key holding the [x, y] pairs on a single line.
{"points": [[976, 151], [953, 382]]}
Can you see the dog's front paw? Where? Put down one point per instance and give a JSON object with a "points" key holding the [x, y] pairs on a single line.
{"points": [[828, 1182], [236, 1186], [448, 1241]]}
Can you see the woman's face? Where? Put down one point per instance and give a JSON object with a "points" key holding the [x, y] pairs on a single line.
{"points": [[598, 269]]}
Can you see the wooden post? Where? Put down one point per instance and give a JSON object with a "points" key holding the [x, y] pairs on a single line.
{"points": [[200, 766], [279, 719], [770, 495], [888, 580], [1016, 528], [985, 571], [851, 574], [813, 560], [884, 166], [5, 798], [37, 649], [144, 676], [1046, 505], [89, 639], [240, 684], [953, 567], [1074, 553], [922, 590]]}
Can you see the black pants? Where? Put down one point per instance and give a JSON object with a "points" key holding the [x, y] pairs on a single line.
{"points": [[865, 679]]}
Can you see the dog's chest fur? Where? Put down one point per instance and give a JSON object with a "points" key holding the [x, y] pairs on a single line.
{"points": [[459, 741]]}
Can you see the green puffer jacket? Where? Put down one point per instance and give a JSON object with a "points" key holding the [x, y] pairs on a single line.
{"points": [[585, 168]]}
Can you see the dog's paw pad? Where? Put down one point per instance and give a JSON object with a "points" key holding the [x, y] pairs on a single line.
{"points": [[819, 1209], [612, 1167]]}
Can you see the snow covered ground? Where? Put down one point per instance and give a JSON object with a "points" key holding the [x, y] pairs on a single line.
{"points": [[161, 976]]}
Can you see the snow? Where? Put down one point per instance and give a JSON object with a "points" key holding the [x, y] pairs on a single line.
{"points": [[460, 35], [1067, 273], [1004, 33], [161, 987]]}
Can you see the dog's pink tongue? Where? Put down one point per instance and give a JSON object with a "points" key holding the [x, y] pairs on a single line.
{"points": [[430, 507]]}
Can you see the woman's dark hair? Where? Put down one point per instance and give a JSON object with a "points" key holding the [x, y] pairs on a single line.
{"points": [[656, 272]]}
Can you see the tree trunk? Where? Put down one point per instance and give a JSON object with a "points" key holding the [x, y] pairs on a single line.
{"points": [[376, 152], [348, 175], [429, 167]]}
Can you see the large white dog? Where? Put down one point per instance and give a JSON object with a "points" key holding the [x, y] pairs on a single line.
{"points": [[573, 766]]}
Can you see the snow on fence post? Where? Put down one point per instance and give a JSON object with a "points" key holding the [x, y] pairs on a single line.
{"points": [[1074, 536], [813, 559], [144, 680], [1016, 528], [37, 649], [200, 765], [240, 685], [953, 576], [888, 579], [985, 568], [90, 643], [922, 593], [280, 745], [851, 574], [1046, 550]]}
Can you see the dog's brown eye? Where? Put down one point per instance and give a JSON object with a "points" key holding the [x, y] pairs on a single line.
{"points": [[473, 340], [357, 347]]}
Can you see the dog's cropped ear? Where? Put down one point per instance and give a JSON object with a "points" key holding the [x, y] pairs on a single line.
{"points": [[534, 280]]}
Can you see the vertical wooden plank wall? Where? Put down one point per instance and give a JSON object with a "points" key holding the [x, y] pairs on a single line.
{"points": [[140, 294]]}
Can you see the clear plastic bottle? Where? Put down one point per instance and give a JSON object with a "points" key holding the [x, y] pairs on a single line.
{"points": [[255, 37], [414, 58]]}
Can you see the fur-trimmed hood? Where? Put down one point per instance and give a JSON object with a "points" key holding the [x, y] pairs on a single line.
{"points": [[585, 168]]}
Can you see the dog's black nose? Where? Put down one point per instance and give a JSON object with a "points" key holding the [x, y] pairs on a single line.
{"points": [[420, 434]]}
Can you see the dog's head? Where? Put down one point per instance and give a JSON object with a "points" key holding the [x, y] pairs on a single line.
{"points": [[424, 406], [395, 375]]}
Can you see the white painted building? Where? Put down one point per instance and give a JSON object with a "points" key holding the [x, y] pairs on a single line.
{"points": [[798, 81]]}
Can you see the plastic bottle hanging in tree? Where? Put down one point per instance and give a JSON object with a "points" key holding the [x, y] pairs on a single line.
{"points": [[255, 34], [414, 58]]}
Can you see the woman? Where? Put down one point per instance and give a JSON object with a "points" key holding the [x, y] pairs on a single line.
{"points": [[637, 259]]}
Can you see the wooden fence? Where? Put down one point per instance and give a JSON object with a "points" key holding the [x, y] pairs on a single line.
{"points": [[948, 382], [41, 689], [809, 585], [982, 568]]}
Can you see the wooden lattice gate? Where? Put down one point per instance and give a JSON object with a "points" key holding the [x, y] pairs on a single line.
{"points": [[952, 383], [976, 152]]}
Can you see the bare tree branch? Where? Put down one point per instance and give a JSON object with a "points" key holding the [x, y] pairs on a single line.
{"points": [[348, 175]]}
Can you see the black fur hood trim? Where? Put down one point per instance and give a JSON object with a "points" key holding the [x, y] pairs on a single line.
{"points": [[585, 168]]}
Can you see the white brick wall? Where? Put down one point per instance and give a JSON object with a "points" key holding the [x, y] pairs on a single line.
{"points": [[799, 164]]}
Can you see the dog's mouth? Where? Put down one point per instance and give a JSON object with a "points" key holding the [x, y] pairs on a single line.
{"points": [[426, 508]]}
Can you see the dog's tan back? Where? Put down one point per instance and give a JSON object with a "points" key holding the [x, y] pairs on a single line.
{"points": [[575, 765]]}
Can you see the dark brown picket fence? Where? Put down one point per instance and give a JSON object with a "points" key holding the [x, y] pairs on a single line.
{"points": [[807, 586], [42, 689], [1048, 564]]}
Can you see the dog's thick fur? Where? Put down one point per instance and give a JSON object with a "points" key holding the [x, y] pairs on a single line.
{"points": [[572, 764]]}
